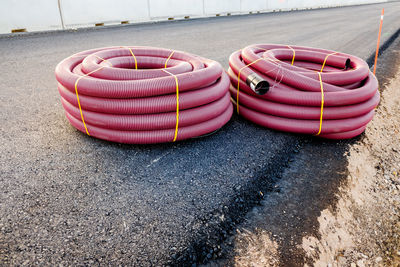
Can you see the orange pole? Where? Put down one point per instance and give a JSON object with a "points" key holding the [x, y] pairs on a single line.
{"points": [[379, 39]]}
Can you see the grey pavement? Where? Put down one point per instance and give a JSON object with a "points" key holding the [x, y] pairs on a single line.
{"points": [[70, 199]]}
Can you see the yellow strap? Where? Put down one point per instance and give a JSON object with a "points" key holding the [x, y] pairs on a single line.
{"points": [[77, 96], [294, 54], [238, 85], [322, 103], [177, 104], [323, 65], [103, 60], [133, 55], [166, 62]]}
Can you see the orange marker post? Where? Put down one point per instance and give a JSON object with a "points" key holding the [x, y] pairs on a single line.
{"points": [[379, 39]]}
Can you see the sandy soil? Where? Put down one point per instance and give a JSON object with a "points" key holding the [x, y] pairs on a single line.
{"points": [[364, 230], [363, 227]]}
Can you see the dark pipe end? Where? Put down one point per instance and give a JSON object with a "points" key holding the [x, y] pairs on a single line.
{"points": [[261, 88], [348, 63], [257, 84]]}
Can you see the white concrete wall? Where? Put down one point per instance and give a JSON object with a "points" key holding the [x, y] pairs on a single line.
{"points": [[90, 12], [253, 5], [175, 8], [32, 15], [212, 7], [38, 15], [284, 4]]}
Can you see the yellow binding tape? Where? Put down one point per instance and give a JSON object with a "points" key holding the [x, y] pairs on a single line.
{"points": [[238, 85], [103, 60], [177, 104], [294, 54], [166, 62], [322, 104], [133, 55], [77, 96], [323, 65]]}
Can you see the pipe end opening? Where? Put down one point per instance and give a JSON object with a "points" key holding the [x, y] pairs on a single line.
{"points": [[257, 84], [261, 88], [348, 63]]}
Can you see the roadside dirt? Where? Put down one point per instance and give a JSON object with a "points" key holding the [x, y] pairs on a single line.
{"points": [[364, 230]]}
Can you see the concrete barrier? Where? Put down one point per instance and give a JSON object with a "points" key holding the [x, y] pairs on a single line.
{"points": [[39, 15], [213, 7], [175, 8], [282, 4], [253, 5], [81, 13], [31, 15]]}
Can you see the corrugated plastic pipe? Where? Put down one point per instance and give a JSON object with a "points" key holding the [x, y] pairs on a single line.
{"points": [[303, 90], [143, 94]]}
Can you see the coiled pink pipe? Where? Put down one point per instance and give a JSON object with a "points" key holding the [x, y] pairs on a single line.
{"points": [[128, 94], [277, 94]]}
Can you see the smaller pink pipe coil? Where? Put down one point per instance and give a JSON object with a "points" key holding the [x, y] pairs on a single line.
{"points": [[293, 100]]}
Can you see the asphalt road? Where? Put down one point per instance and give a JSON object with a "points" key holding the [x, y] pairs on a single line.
{"points": [[71, 199]]}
